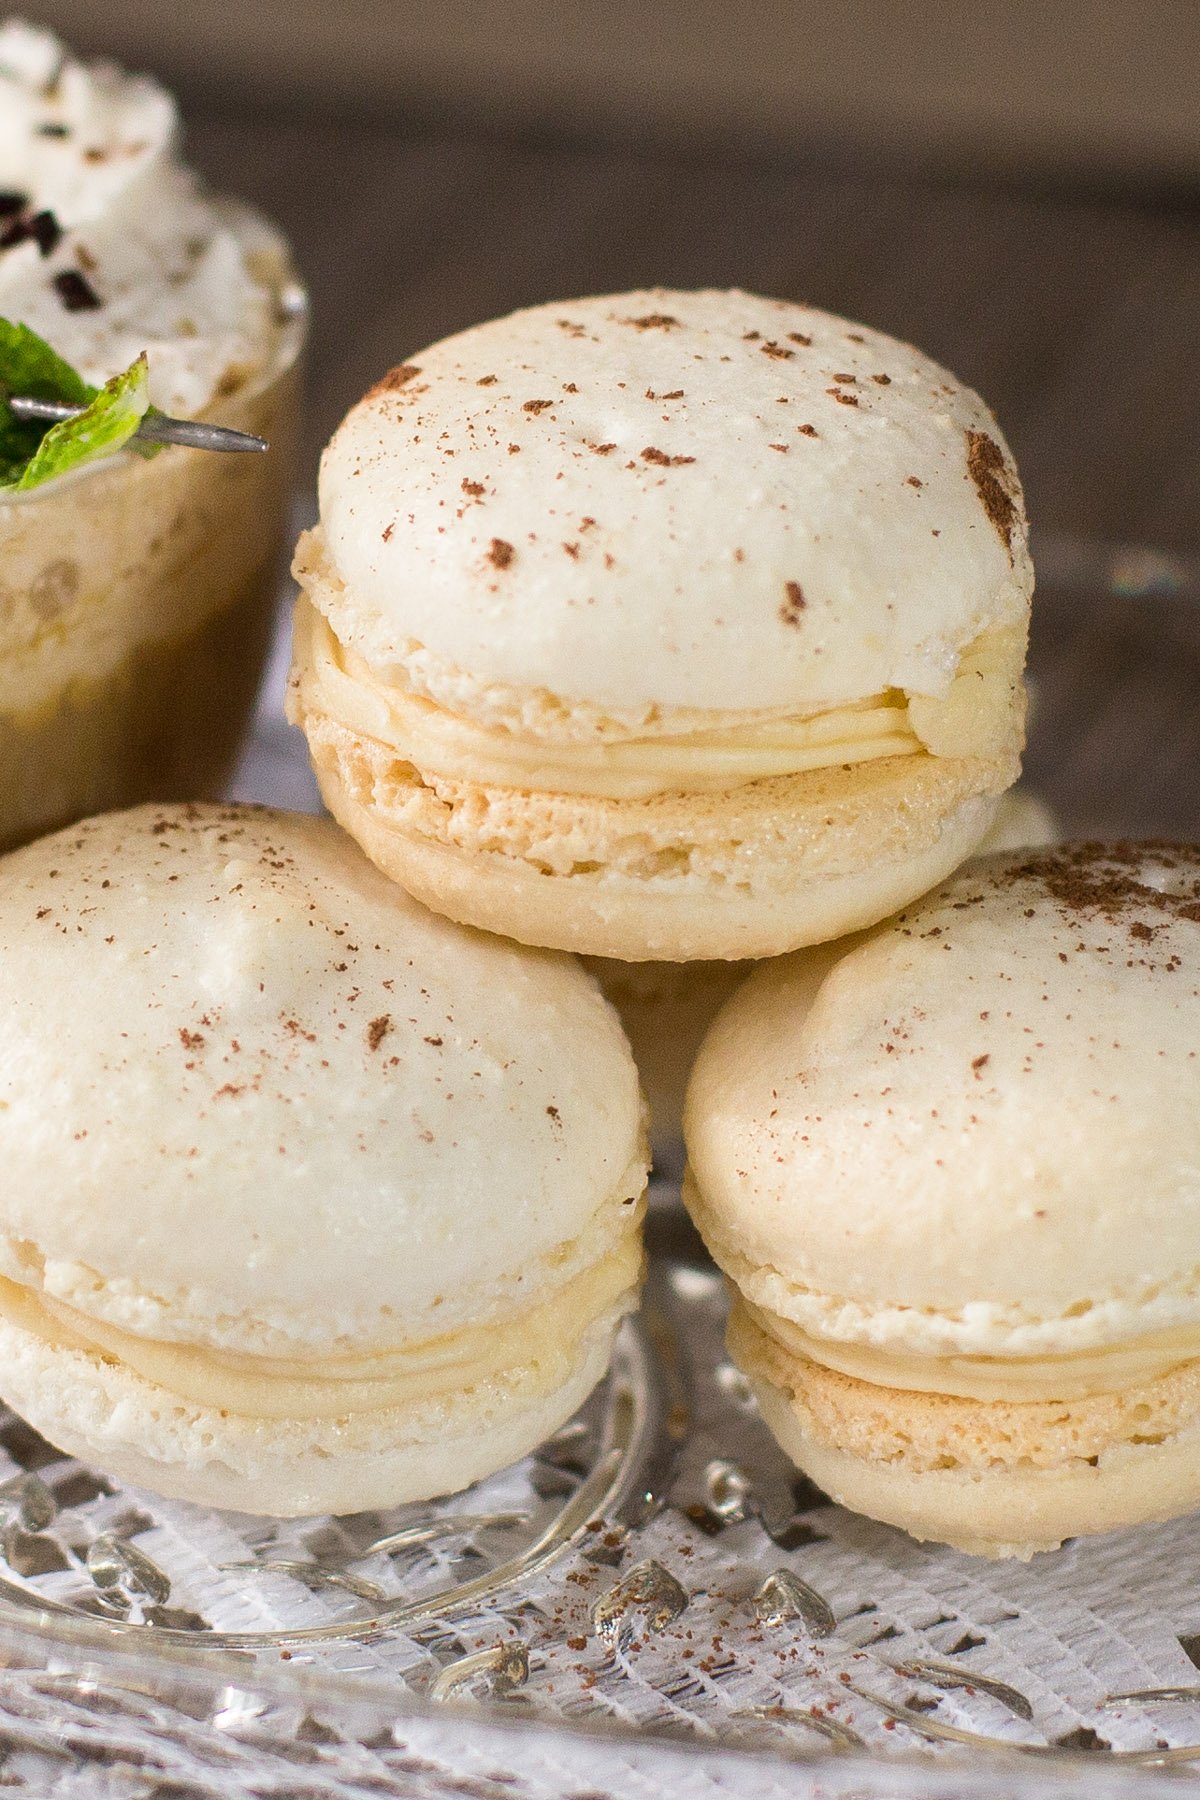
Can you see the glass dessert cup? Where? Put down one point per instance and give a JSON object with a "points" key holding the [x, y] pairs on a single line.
{"points": [[136, 600]]}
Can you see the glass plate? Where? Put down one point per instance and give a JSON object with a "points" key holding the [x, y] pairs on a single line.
{"points": [[653, 1603]]}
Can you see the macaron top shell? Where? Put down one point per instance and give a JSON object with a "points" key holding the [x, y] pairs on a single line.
{"points": [[704, 500], [975, 1128], [253, 1096]]}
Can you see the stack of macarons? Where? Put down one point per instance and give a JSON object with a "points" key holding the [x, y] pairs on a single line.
{"points": [[680, 630]]}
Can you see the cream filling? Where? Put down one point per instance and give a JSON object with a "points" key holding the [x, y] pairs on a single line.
{"points": [[1077, 1375], [540, 1345], [974, 718]]}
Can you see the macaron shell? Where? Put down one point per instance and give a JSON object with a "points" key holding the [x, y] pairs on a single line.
{"points": [[1009, 1511], [976, 1127], [707, 500], [253, 1096]]}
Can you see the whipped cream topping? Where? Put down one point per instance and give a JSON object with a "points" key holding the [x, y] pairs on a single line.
{"points": [[109, 246]]}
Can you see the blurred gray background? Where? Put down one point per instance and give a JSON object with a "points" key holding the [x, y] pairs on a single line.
{"points": [[1014, 187], [1097, 84]]}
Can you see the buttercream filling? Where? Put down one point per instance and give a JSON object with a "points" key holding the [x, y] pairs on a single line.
{"points": [[539, 1348], [973, 718], [1076, 1375]]}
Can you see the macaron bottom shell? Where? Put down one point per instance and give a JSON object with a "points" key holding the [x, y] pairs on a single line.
{"points": [[764, 869], [99, 1410], [993, 1479]]}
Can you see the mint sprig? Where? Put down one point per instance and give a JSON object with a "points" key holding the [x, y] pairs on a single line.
{"points": [[32, 452]]}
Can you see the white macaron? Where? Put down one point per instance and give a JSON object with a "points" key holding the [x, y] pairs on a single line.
{"points": [[950, 1168], [312, 1201], [666, 625]]}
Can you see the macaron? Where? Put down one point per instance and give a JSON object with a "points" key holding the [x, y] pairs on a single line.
{"points": [[665, 626], [312, 1201], [949, 1169]]}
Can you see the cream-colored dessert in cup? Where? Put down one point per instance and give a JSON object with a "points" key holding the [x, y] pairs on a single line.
{"points": [[950, 1170], [666, 626], [135, 596], [312, 1200]]}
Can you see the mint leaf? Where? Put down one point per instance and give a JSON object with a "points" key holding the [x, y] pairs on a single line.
{"points": [[106, 424], [29, 366]]}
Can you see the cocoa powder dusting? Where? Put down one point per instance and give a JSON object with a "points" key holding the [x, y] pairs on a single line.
{"points": [[1109, 881], [500, 554]]}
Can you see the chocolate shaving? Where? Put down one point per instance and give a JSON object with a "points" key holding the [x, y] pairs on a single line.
{"points": [[993, 483], [46, 231], [536, 406], [798, 337], [794, 605], [500, 554], [394, 380], [654, 322], [76, 291], [662, 460], [770, 348], [377, 1030]]}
